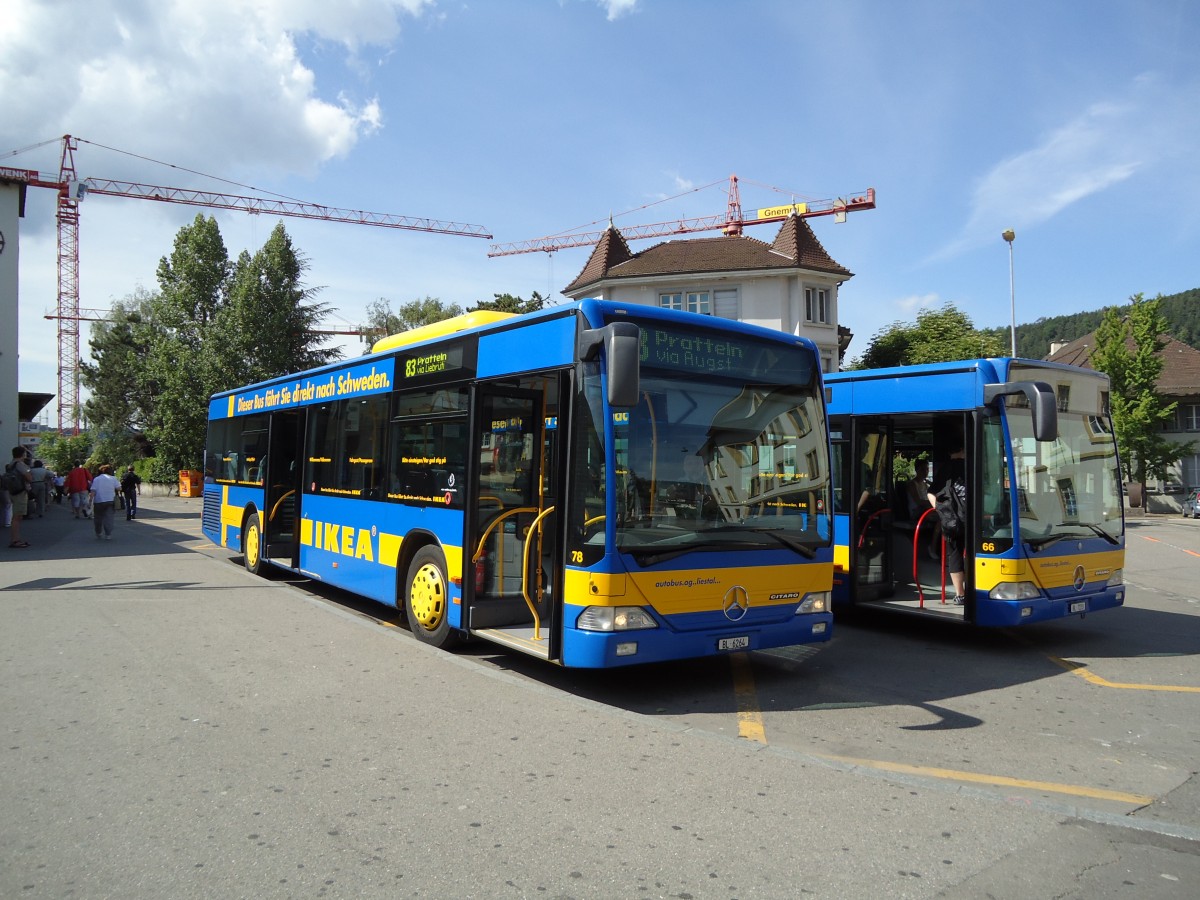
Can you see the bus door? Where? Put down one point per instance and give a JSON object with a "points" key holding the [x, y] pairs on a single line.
{"points": [[871, 515], [513, 527], [282, 487]]}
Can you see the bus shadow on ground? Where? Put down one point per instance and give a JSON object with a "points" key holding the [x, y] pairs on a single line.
{"points": [[875, 660]]}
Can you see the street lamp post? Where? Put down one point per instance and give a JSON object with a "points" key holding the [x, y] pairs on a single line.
{"points": [[1008, 236]]}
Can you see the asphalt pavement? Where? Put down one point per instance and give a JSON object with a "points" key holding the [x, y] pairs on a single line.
{"points": [[175, 727]]}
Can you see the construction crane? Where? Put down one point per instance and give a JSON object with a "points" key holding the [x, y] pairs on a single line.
{"points": [[71, 190], [731, 223]]}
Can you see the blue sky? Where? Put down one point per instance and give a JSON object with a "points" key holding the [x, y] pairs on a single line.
{"points": [[1074, 123]]}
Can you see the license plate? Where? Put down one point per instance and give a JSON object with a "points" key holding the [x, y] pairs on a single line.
{"points": [[733, 643], [1079, 606]]}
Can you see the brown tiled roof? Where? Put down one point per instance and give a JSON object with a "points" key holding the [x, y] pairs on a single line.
{"points": [[1181, 364], [611, 250], [795, 247]]}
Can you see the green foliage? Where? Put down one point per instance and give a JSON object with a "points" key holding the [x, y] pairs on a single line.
{"points": [[382, 321], [511, 304], [211, 326], [1180, 311], [119, 400], [266, 326], [59, 451], [939, 335], [1128, 349]]}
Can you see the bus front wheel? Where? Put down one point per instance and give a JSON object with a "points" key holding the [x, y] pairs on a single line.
{"points": [[252, 546], [427, 599]]}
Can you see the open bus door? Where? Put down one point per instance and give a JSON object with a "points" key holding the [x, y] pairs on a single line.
{"points": [[872, 557], [283, 489], [515, 564], [895, 555]]}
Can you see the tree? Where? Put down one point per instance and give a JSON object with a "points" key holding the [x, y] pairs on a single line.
{"points": [[511, 304], [60, 451], [1128, 350], [182, 369], [381, 321], [119, 398], [939, 335], [267, 324]]}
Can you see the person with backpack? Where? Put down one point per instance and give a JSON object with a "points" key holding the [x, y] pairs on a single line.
{"points": [[131, 486], [17, 481], [951, 505]]}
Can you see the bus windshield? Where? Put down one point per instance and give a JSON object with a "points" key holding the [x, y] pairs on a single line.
{"points": [[725, 450], [1069, 487]]}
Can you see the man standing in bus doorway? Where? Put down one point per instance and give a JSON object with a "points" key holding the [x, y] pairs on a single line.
{"points": [[951, 505], [104, 499]]}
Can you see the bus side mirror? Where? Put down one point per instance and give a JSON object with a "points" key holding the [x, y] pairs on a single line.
{"points": [[622, 347], [1041, 403]]}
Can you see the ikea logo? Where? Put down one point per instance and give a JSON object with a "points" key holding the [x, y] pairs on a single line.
{"points": [[344, 540]]}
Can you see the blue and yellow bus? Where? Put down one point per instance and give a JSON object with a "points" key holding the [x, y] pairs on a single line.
{"points": [[593, 484], [1045, 536]]}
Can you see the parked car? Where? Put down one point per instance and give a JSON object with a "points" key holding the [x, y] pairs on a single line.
{"points": [[1191, 503]]}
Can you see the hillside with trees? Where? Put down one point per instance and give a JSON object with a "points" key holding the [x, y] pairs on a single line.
{"points": [[1181, 312]]}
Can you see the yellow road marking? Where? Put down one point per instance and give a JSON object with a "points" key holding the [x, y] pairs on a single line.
{"points": [[1074, 790], [1092, 678], [750, 721]]}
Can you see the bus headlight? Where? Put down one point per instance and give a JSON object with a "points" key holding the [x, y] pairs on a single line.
{"points": [[1117, 578], [614, 618], [1015, 590], [816, 602]]}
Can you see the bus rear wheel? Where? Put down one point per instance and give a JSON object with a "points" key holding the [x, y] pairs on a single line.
{"points": [[427, 599], [252, 546]]}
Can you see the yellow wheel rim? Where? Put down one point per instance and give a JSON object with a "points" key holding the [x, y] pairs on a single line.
{"points": [[428, 597], [252, 546]]}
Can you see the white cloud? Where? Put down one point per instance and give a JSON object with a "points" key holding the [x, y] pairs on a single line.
{"points": [[617, 8], [1108, 143], [219, 86], [913, 303]]}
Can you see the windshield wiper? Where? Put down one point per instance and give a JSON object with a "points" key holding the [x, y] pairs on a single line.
{"points": [[1104, 534], [1043, 542], [649, 556], [788, 541]]}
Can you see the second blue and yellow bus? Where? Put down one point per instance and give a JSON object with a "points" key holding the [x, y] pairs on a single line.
{"points": [[1045, 536], [593, 484]]}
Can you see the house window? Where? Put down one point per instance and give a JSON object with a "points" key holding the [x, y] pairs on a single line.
{"points": [[1186, 418], [1189, 413], [816, 305], [725, 304], [692, 301]]}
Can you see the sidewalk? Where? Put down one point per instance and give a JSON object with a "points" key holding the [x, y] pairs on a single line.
{"points": [[58, 535]]}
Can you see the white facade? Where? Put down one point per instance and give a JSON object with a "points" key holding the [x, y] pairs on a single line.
{"points": [[795, 302]]}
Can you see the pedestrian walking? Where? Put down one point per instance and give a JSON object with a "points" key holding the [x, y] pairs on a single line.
{"points": [[79, 481], [39, 496], [104, 499], [131, 486]]}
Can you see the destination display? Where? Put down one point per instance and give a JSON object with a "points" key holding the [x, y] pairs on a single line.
{"points": [[710, 353], [436, 363]]}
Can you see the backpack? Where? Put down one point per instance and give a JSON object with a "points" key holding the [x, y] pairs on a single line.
{"points": [[951, 506], [12, 480]]}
